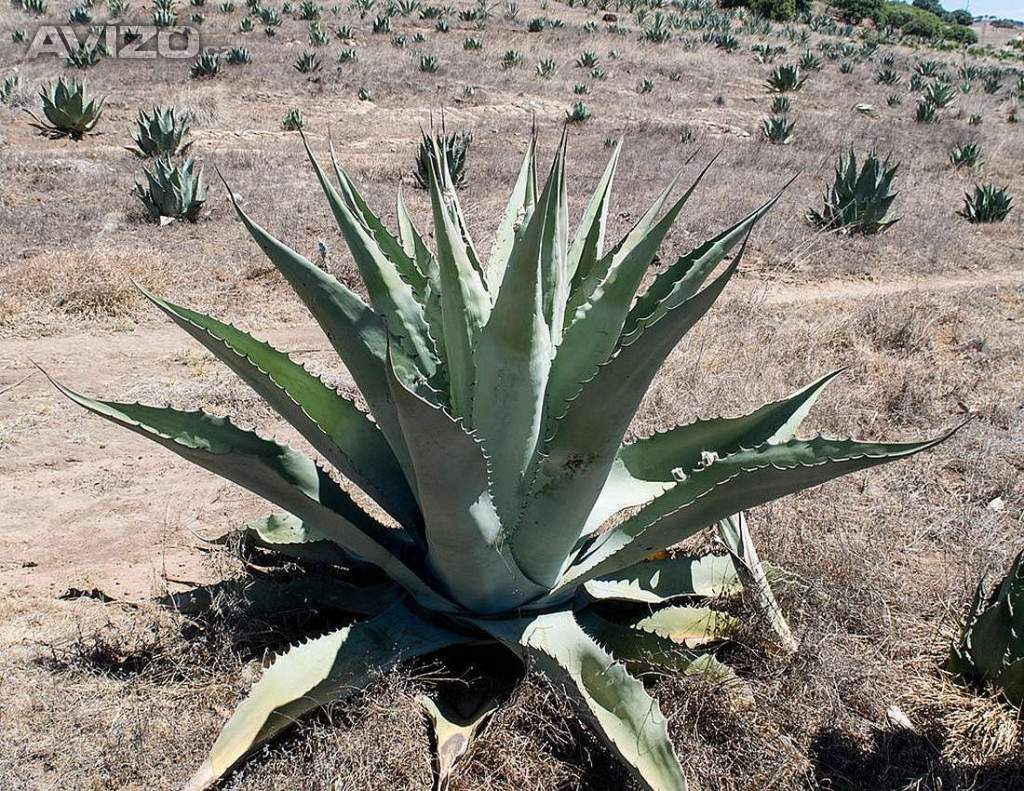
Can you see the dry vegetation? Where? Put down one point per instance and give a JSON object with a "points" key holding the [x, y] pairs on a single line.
{"points": [[928, 318]]}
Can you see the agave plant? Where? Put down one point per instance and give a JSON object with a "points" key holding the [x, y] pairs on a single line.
{"points": [[80, 15], [780, 105], [205, 66], [429, 64], [546, 68], [9, 86], [500, 397], [238, 56], [347, 55], [293, 120], [777, 129], [577, 113], [587, 60], [161, 134], [645, 86], [472, 44], [926, 112], [989, 203], [940, 94], [69, 109], [860, 198], [966, 155], [784, 79], [512, 59], [172, 191], [307, 63], [453, 147], [887, 77], [83, 56], [809, 61], [991, 650], [317, 36], [894, 100]]}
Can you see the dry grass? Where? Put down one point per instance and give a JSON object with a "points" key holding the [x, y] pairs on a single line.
{"points": [[926, 318]]}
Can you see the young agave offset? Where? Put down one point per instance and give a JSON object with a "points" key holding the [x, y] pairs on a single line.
{"points": [[500, 391]]}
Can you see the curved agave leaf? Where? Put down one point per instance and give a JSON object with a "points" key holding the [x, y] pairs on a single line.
{"points": [[588, 244], [655, 458], [289, 535], [621, 490], [330, 422], [520, 206], [390, 294], [354, 330], [466, 545], [457, 714], [657, 581], [690, 626], [316, 673], [737, 482], [577, 460], [275, 472], [554, 243], [465, 303], [416, 248], [616, 703]]}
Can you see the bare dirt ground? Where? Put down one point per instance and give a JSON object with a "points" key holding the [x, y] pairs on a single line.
{"points": [[928, 318]]}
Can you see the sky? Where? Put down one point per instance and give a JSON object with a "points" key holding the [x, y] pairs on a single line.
{"points": [[1014, 9]]}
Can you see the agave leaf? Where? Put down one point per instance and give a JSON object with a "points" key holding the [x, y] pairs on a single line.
{"points": [[288, 535], [465, 304], [330, 422], [657, 581], [690, 626], [1010, 682], [655, 458], [588, 244], [277, 473], [554, 242], [354, 330], [624, 715], [595, 327], [736, 482], [736, 536], [466, 546], [391, 295], [520, 206], [513, 356], [578, 458], [408, 265], [681, 281], [621, 490], [456, 715], [584, 285], [266, 597], [316, 673]]}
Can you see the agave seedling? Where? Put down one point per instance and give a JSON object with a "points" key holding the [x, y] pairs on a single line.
{"points": [[645, 86], [500, 395], [9, 86], [238, 56], [246, 25], [940, 94], [163, 17], [966, 155], [161, 134], [926, 112], [581, 89], [587, 60], [894, 100], [780, 105], [317, 36], [784, 79], [472, 44], [307, 63], [205, 66], [292, 121], [69, 108], [347, 55], [546, 68], [859, 199], [429, 64], [991, 650], [453, 147], [172, 191], [887, 77], [777, 129], [577, 113], [809, 61], [512, 59], [80, 15], [989, 203]]}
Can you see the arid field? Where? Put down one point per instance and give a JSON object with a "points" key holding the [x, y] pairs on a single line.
{"points": [[106, 682]]}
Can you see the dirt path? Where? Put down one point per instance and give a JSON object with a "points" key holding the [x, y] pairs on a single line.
{"points": [[86, 504]]}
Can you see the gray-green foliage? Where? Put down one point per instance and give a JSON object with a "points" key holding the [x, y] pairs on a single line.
{"points": [[83, 56], [860, 198], [926, 112], [988, 203], [307, 63], [172, 190], [293, 121], [161, 134], [940, 94], [500, 389], [783, 79], [453, 147], [205, 66], [238, 56], [965, 155], [990, 651], [577, 113], [777, 129], [9, 86], [69, 109]]}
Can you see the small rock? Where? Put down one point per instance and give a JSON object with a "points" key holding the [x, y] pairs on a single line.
{"points": [[997, 505]]}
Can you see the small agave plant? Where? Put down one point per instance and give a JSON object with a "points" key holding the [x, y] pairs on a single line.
{"points": [[161, 134], [991, 650], [69, 108], [454, 147], [988, 203], [172, 191], [860, 198], [500, 391], [778, 129]]}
